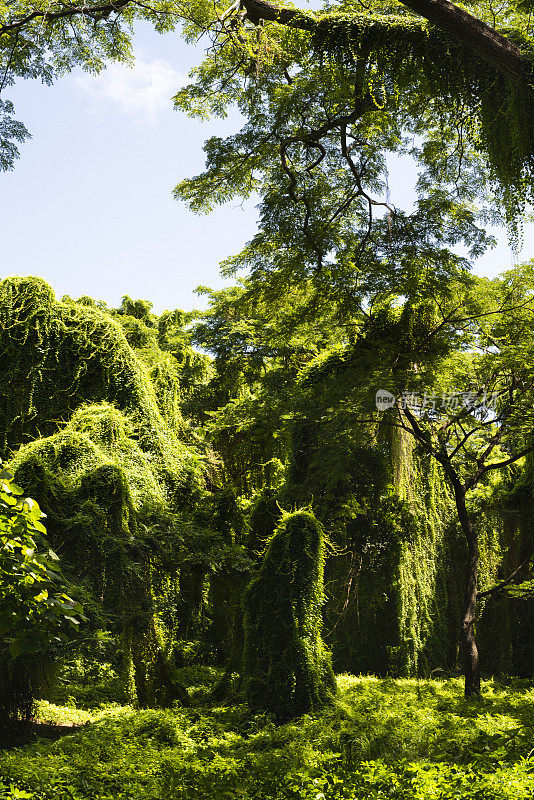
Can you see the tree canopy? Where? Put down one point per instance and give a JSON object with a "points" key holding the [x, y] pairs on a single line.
{"points": [[475, 64]]}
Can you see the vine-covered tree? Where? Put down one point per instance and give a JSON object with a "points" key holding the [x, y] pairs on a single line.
{"points": [[484, 427], [286, 666]]}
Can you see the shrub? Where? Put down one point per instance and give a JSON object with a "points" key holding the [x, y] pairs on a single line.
{"points": [[35, 611]]}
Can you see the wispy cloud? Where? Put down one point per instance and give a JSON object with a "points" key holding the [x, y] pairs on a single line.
{"points": [[144, 90]]}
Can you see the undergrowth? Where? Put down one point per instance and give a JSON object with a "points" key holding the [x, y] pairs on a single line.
{"points": [[383, 738]]}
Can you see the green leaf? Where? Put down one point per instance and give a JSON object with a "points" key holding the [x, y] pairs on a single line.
{"points": [[25, 643], [38, 526]]}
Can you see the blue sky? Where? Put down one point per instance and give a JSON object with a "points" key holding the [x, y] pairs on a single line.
{"points": [[89, 206]]}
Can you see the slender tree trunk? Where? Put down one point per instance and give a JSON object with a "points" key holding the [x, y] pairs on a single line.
{"points": [[467, 628]]}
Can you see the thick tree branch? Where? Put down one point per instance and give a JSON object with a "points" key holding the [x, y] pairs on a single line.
{"points": [[96, 11], [476, 35], [508, 461], [488, 43], [292, 17]]}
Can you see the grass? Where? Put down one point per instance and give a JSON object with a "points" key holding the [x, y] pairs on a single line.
{"points": [[383, 739]]}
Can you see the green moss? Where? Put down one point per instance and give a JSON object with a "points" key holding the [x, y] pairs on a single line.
{"points": [[97, 486], [264, 518], [287, 668], [427, 575], [396, 586]]}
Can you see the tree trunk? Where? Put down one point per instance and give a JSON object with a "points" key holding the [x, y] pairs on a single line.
{"points": [[191, 583], [467, 628]]}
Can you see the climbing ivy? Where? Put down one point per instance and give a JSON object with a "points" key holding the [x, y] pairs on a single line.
{"points": [[286, 666], [104, 452], [393, 54]]}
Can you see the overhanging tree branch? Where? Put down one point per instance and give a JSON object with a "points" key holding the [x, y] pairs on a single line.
{"points": [[97, 12], [488, 43], [476, 35], [508, 461]]}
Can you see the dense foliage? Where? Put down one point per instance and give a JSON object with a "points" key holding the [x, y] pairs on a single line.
{"points": [[114, 476], [400, 739], [359, 373], [163, 535], [35, 611]]}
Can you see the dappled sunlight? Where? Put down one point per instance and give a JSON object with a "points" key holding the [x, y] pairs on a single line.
{"points": [[381, 737]]}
